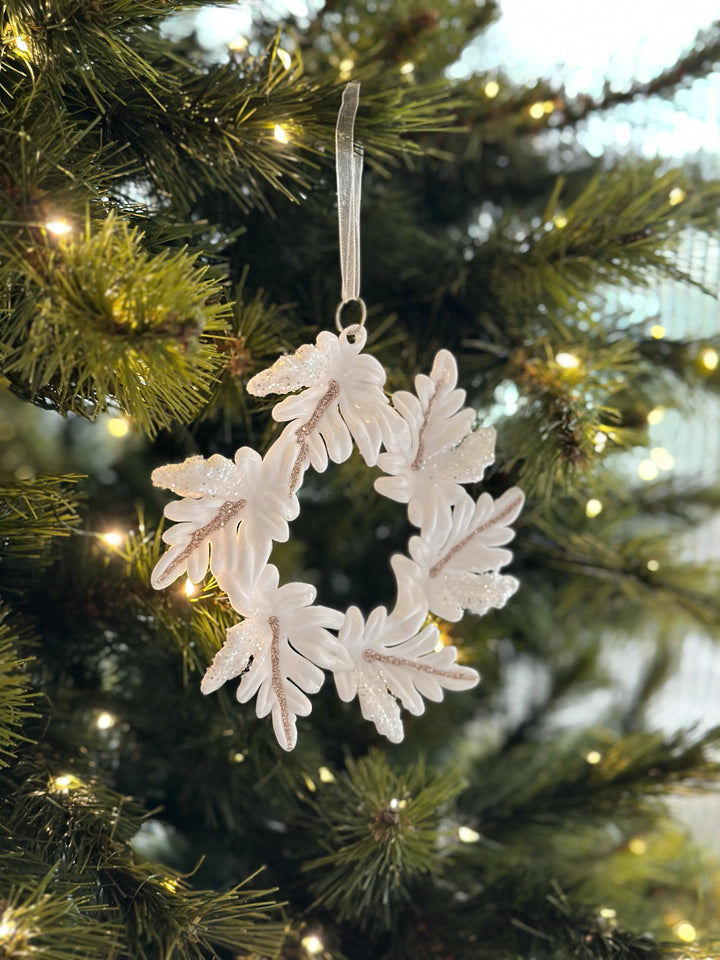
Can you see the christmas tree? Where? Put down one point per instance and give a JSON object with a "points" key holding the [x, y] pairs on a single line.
{"points": [[169, 229]]}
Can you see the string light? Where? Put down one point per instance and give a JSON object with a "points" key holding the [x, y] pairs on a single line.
{"points": [[537, 110], [326, 775], [21, 45], [468, 835], [407, 68], [189, 587], [653, 566], [647, 470], [560, 221], [709, 359], [677, 195], [491, 89], [104, 721], [593, 757], [284, 58], [238, 757], [170, 884], [280, 134], [600, 441], [608, 913], [58, 227], [346, 67], [310, 784], [312, 944], [118, 427], [684, 931], [396, 804], [593, 508], [637, 846], [658, 331], [238, 44], [655, 416], [113, 538], [568, 361], [663, 458], [64, 783]]}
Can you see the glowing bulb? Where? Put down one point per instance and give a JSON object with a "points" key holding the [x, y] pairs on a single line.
{"points": [[238, 43], [284, 58], [326, 776], [677, 195], [21, 45], [58, 227], [537, 111], [647, 470], [170, 884], [568, 361], [491, 89], [118, 427], [238, 757], [407, 68], [310, 784], [663, 458], [280, 134], [709, 358], [346, 67], [468, 835], [637, 846], [600, 441], [560, 221], [105, 720], [8, 929], [658, 331], [684, 931], [64, 783], [396, 804], [312, 944], [189, 587], [593, 507], [548, 106], [608, 913], [593, 757], [653, 565], [113, 538], [656, 415]]}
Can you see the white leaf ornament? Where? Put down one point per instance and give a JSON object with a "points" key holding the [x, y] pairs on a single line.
{"points": [[342, 401], [394, 664], [277, 650], [458, 570], [229, 515], [437, 450]]}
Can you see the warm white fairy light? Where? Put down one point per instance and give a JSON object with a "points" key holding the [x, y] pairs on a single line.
{"points": [[648, 470], [105, 720], [656, 416], [685, 931], [238, 757], [491, 89], [593, 757], [312, 944], [657, 331], [467, 835], [600, 441], [560, 221], [709, 359], [653, 566], [663, 458], [64, 783], [118, 427], [396, 804], [189, 588], [407, 68], [608, 913], [326, 775], [238, 44], [593, 507], [568, 361], [637, 846], [58, 227], [284, 57], [537, 110], [21, 45], [677, 195], [113, 538], [280, 134]]}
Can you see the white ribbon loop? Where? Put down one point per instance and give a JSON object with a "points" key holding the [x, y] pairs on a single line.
{"points": [[348, 165]]}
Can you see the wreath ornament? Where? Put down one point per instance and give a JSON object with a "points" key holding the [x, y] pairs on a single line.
{"points": [[232, 511]]}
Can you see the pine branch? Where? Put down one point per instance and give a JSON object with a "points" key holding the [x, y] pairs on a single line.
{"points": [[381, 828], [17, 701]]}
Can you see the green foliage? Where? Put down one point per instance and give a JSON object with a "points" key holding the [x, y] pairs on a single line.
{"points": [[17, 700], [112, 326], [381, 827]]}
